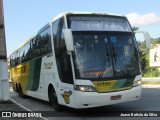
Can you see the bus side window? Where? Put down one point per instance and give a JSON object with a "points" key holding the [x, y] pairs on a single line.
{"points": [[22, 55], [27, 53], [34, 47], [17, 57], [55, 40], [62, 58], [13, 60], [10, 61], [45, 42], [66, 68]]}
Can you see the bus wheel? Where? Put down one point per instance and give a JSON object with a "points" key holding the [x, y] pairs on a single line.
{"points": [[20, 92], [53, 99], [17, 88]]}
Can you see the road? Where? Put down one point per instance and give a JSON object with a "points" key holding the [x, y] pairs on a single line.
{"points": [[149, 102]]}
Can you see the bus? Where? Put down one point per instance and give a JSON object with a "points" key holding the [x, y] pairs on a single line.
{"points": [[80, 60]]}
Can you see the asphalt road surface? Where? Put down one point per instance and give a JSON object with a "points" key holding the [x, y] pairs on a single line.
{"points": [[149, 101]]}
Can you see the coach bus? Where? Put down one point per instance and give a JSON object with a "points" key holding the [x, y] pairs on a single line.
{"points": [[79, 60]]}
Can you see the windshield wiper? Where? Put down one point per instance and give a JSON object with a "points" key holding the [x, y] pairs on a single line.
{"points": [[120, 63], [100, 75], [113, 53], [124, 68]]}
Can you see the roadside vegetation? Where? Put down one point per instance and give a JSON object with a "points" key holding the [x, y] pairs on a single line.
{"points": [[151, 82], [148, 71]]}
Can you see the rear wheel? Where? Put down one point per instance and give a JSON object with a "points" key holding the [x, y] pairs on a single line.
{"points": [[16, 88], [20, 92], [53, 99]]}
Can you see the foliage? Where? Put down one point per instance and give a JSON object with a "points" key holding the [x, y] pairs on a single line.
{"points": [[151, 82], [135, 28], [147, 71], [156, 41]]}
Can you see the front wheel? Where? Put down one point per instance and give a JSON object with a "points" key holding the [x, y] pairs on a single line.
{"points": [[53, 99]]}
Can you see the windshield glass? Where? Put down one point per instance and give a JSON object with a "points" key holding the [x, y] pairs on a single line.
{"points": [[105, 56]]}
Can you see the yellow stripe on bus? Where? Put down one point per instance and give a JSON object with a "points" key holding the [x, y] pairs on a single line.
{"points": [[20, 76], [104, 86], [108, 86]]}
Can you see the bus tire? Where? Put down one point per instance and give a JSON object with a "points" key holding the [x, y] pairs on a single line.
{"points": [[16, 88], [20, 92], [53, 99]]}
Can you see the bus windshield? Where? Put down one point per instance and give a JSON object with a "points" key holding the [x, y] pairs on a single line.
{"points": [[105, 56], [105, 47]]}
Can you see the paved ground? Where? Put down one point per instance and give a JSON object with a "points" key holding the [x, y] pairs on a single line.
{"points": [[11, 106]]}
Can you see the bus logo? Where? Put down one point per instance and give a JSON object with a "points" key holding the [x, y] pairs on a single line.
{"points": [[66, 96]]}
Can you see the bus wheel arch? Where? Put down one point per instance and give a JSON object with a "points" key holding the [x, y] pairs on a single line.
{"points": [[53, 98]]}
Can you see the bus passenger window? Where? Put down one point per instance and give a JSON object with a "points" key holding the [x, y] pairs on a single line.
{"points": [[62, 58]]}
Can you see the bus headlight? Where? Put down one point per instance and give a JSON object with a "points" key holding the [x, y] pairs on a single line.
{"points": [[137, 82], [85, 88]]}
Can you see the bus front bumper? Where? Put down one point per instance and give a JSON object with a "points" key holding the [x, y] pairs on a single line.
{"points": [[94, 99]]}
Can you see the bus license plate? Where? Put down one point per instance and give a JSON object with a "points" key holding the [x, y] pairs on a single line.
{"points": [[117, 97]]}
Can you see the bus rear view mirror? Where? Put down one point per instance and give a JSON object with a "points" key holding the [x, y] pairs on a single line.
{"points": [[147, 39], [68, 39]]}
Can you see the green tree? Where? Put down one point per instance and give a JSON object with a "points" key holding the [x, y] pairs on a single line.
{"points": [[135, 28], [147, 71]]}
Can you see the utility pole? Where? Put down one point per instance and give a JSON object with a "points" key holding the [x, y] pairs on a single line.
{"points": [[4, 83]]}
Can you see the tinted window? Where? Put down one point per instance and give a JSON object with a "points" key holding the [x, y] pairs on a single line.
{"points": [[55, 35], [42, 43], [62, 58], [27, 51], [38, 46], [11, 61], [22, 54], [45, 41]]}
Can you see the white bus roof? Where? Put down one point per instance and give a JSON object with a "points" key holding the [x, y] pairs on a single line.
{"points": [[64, 14], [85, 13]]}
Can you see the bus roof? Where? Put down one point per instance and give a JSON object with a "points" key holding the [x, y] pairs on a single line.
{"points": [[85, 13], [64, 14]]}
